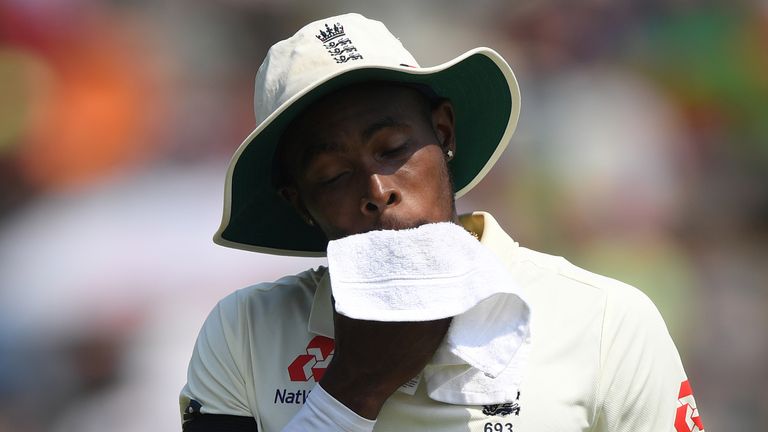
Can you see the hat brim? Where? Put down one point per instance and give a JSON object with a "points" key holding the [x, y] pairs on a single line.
{"points": [[486, 101]]}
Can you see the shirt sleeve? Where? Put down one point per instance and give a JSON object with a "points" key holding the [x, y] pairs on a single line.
{"points": [[215, 381], [643, 386], [323, 413]]}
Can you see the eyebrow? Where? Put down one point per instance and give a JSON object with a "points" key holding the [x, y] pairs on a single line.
{"points": [[386, 122], [317, 148], [320, 147]]}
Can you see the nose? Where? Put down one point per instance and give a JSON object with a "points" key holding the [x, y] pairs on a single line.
{"points": [[382, 193]]}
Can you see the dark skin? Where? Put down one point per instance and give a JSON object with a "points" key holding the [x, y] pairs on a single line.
{"points": [[371, 157]]}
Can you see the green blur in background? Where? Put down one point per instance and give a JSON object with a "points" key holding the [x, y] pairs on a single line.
{"points": [[641, 153]]}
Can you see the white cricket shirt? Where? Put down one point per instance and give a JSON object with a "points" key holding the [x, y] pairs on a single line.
{"points": [[601, 357]]}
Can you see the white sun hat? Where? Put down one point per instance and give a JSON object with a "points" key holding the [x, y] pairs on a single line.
{"points": [[325, 56]]}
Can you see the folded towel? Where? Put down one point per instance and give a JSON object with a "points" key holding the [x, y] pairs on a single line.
{"points": [[436, 271]]}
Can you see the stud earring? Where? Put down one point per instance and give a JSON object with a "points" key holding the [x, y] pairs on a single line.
{"points": [[449, 154]]}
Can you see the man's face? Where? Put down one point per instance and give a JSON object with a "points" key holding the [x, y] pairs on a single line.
{"points": [[370, 157]]}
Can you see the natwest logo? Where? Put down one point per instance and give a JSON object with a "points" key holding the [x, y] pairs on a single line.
{"points": [[687, 416], [313, 363]]}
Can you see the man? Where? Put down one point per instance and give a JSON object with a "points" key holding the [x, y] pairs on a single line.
{"points": [[354, 137]]}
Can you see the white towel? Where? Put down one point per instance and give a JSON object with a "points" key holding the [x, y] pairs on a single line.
{"points": [[436, 271]]}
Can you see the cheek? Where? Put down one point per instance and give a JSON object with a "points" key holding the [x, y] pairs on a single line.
{"points": [[430, 171], [334, 212], [427, 187], [443, 193]]}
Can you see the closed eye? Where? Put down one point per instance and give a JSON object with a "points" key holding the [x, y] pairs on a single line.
{"points": [[402, 148], [333, 179]]}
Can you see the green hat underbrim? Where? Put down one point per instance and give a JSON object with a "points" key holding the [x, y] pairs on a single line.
{"points": [[486, 102]]}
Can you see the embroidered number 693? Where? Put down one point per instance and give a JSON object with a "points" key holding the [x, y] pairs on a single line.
{"points": [[497, 427]]}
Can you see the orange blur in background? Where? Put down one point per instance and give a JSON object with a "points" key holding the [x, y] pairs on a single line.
{"points": [[641, 153]]}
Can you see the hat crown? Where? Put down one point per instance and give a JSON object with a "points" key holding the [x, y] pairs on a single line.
{"points": [[319, 50]]}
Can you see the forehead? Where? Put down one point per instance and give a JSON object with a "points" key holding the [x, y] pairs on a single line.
{"points": [[353, 109]]}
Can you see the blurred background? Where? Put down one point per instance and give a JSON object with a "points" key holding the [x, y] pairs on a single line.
{"points": [[641, 153]]}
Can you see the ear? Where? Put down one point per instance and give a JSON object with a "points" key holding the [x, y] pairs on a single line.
{"points": [[291, 195], [443, 123]]}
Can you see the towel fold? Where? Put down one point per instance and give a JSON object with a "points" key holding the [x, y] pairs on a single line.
{"points": [[431, 272]]}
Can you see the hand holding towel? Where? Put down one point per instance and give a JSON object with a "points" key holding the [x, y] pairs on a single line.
{"points": [[436, 271]]}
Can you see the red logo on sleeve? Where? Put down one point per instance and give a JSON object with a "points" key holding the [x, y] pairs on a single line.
{"points": [[687, 416], [313, 363]]}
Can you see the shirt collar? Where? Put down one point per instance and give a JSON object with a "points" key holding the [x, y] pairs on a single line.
{"points": [[321, 314]]}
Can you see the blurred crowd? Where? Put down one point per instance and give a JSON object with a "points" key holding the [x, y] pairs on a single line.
{"points": [[641, 153]]}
